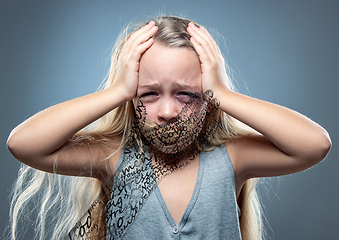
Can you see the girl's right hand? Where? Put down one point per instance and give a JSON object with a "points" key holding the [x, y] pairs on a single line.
{"points": [[127, 75]]}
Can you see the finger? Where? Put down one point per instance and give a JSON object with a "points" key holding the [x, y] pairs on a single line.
{"points": [[204, 38], [207, 36], [144, 46], [212, 40], [141, 35], [143, 30], [205, 59], [203, 34], [135, 39], [200, 42], [137, 44], [204, 51]]}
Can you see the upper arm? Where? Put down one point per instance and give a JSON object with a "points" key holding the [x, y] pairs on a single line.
{"points": [[96, 159], [256, 156]]}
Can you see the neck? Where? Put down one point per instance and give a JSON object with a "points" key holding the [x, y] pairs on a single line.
{"points": [[165, 163]]}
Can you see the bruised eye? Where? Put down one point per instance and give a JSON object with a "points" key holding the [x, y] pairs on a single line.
{"points": [[184, 96]]}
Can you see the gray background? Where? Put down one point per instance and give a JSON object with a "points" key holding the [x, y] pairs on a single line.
{"points": [[285, 52]]}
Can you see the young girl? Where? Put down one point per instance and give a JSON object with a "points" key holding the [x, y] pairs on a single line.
{"points": [[175, 151]]}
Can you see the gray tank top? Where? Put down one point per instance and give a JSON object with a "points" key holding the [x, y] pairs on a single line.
{"points": [[211, 213]]}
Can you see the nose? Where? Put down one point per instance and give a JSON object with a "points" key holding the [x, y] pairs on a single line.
{"points": [[168, 110]]}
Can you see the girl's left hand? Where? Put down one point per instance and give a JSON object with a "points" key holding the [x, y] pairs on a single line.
{"points": [[288, 141], [213, 70]]}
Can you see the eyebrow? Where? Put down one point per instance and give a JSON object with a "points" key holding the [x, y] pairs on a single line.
{"points": [[151, 86], [182, 86], [174, 85]]}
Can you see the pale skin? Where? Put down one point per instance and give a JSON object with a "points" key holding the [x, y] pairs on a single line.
{"points": [[288, 141]]}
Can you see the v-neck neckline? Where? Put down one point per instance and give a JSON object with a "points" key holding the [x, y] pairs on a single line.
{"points": [[192, 201]]}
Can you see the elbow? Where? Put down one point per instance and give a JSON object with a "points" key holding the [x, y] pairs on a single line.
{"points": [[326, 144], [16, 146], [314, 151], [12, 144], [322, 146]]}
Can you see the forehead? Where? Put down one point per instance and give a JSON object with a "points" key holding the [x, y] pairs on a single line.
{"points": [[162, 64]]}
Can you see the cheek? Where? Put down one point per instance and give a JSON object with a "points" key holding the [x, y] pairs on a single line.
{"points": [[151, 111]]}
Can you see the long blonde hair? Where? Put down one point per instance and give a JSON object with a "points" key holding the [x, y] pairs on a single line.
{"points": [[70, 197]]}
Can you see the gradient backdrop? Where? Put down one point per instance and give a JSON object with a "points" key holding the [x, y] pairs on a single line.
{"points": [[285, 52]]}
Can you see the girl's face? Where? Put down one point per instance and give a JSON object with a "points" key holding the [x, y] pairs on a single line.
{"points": [[169, 98], [168, 77]]}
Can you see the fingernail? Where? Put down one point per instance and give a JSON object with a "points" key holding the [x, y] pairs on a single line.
{"points": [[150, 23], [189, 29]]}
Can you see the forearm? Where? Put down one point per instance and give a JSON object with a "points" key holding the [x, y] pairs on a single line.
{"points": [[48, 130], [291, 142], [291, 132]]}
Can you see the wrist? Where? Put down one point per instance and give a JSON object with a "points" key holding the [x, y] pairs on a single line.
{"points": [[215, 95], [120, 91], [116, 96], [210, 98]]}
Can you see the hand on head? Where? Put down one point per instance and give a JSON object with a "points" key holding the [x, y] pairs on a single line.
{"points": [[213, 70], [128, 66]]}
